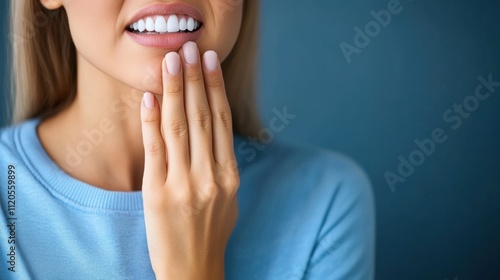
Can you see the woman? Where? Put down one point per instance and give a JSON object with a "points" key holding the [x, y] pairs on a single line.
{"points": [[133, 158]]}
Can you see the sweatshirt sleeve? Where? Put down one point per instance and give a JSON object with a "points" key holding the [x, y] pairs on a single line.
{"points": [[345, 247]]}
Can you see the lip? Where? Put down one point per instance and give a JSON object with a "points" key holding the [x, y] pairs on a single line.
{"points": [[167, 9], [167, 40]]}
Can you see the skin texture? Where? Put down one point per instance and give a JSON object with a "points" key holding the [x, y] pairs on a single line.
{"points": [[179, 152]]}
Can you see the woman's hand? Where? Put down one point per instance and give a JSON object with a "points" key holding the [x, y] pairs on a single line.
{"points": [[190, 174]]}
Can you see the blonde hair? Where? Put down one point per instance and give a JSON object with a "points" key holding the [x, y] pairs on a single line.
{"points": [[44, 65]]}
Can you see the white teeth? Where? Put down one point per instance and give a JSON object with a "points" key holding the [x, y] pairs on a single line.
{"points": [[141, 25], [164, 24], [190, 24], [160, 25], [173, 24], [150, 24], [183, 24]]}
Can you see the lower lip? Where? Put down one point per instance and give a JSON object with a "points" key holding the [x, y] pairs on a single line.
{"points": [[164, 41]]}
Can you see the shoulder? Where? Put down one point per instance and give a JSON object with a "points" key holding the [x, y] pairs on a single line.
{"points": [[322, 181], [337, 199], [342, 181], [11, 138], [7, 143], [323, 194], [319, 166]]}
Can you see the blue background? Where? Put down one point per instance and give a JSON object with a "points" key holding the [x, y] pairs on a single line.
{"points": [[4, 76], [443, 222]]}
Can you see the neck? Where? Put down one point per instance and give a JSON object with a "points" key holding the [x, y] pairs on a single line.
{"points": [[97, 139]]}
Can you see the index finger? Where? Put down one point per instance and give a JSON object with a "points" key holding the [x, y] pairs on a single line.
{"points": [[174, 121]]}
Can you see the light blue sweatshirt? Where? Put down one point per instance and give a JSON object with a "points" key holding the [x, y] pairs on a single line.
{"points": [[304, 213]]}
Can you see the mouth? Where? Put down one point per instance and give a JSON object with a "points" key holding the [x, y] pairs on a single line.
{"points": [[165, 25], [159, 24]]}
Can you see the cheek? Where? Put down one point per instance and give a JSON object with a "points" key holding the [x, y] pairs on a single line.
{"points": [[92, 29], [102, 43], [225, 27]]}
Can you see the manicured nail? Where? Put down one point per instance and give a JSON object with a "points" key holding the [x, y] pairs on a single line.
{"points": [[173, 63], [190, 51], [211, 61], [149, 100]]}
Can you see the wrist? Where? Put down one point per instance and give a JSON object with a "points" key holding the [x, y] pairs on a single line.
{"points": [[214, 271]]}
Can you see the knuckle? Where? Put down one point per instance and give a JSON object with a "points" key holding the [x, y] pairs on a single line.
{"points": [[178, 127], [231, 178], [210, 189], [203, 118], [150, 118], [215, 82], [194, 76], [189, 204], [174, 88], [224, 117], [154, 147], [232, 192], [233, 182], [207, 193]]}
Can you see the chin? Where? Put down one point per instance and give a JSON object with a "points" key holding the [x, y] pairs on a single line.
{"points": [[149, 79]]}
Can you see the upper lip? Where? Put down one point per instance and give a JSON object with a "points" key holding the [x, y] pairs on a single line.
{"points": [[163, 9]]}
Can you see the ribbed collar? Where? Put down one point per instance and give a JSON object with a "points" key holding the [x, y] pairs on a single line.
{"points": [[69, 189]]}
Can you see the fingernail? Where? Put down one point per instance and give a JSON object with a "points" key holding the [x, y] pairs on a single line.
{"points": [[173, 63], [190, 51], [211, 61], [148, 100]]}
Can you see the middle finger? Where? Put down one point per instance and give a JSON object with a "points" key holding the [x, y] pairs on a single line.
{"points": [[198, 112]]}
